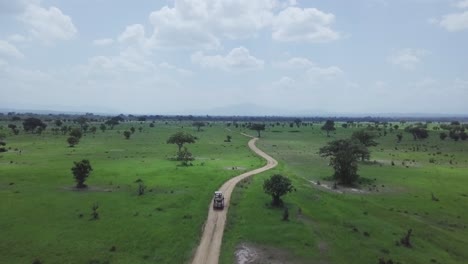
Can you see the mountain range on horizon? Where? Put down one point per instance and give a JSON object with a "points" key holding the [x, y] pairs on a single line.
{"points": [[245, 109]]}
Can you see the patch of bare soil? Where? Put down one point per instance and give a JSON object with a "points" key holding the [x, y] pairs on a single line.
{"points": [[402, 163], [235, 168], [254, 254], [338, 189]]}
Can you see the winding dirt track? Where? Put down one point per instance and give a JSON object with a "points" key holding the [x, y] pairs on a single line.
{"points": [[210, 244]]}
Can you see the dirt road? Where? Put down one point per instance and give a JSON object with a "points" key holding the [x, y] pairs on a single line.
{"points": [[210, 244]]}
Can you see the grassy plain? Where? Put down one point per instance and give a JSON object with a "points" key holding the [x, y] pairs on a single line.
{"points": [[330, 227], [42, 217]]}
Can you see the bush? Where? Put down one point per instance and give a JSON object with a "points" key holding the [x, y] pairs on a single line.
{"points": [[277, 186], [81, 171], [72, 141]]}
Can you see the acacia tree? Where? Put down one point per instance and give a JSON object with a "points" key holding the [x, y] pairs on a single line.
{"points": [[277, 186], [72, 141], [81, 171], [12, 127], [83, 122], [76, 132], [418, 132], [103, 127], [257, 127], [127, 134], [399, 137], [2, 143], [185, 157], [93, 129], [33, 125], [329, 126], [114, 121], [463, 135], [344, 154], [366, 139], [298, 122], [443, 136], [181, 138], [198, 125]]}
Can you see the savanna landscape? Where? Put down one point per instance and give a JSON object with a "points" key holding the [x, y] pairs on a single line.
{"points": [[233, 132], [143, 204]]}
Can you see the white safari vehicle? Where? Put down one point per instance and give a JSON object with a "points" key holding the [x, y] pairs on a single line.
{"points": [[218, 200]]}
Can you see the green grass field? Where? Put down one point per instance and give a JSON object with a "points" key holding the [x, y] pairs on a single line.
{"points": [[40, 211], [42, 217], [328, 227]]}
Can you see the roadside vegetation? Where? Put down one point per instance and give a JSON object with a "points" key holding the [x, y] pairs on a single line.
{"points": [[126, 189], [368, 193], [108, 199]]}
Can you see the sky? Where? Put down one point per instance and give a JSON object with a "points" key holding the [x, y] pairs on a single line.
{"points": [[244, 56]]}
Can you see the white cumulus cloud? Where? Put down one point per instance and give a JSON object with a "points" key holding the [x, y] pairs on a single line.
{"points": [[285, 82], [305, 25], [294, 63], [103, 42], [325, 73], [462, 4], [9, 50], [203, 24], [408, 58], [205, 21], [48, 25], [454, 22], [238, 59], [17, 38]]}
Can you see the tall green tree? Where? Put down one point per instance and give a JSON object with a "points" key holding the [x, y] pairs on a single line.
{"points": [[58, 122], [102, 127], [399, 137], [181, 138], [257, 127], [76, 132], [83, 122], [365, 138], [185, 156], [2, 142], [329, 126], [443, 135], [72, 141], [81, 172], [114, 121], [298, 122], [344, 154], [277, 186], [198, 125], [127, 134], [418, 132], [33, 125]]}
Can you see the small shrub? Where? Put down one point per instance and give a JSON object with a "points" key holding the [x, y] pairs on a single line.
{"points": [[95, 214], [141, 188], [286, 214], [405, 240]]}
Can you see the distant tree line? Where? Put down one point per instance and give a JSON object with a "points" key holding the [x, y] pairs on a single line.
{"points": [[13, 116]]}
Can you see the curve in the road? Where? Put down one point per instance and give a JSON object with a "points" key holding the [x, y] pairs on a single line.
{"points": [[210, 243]]}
